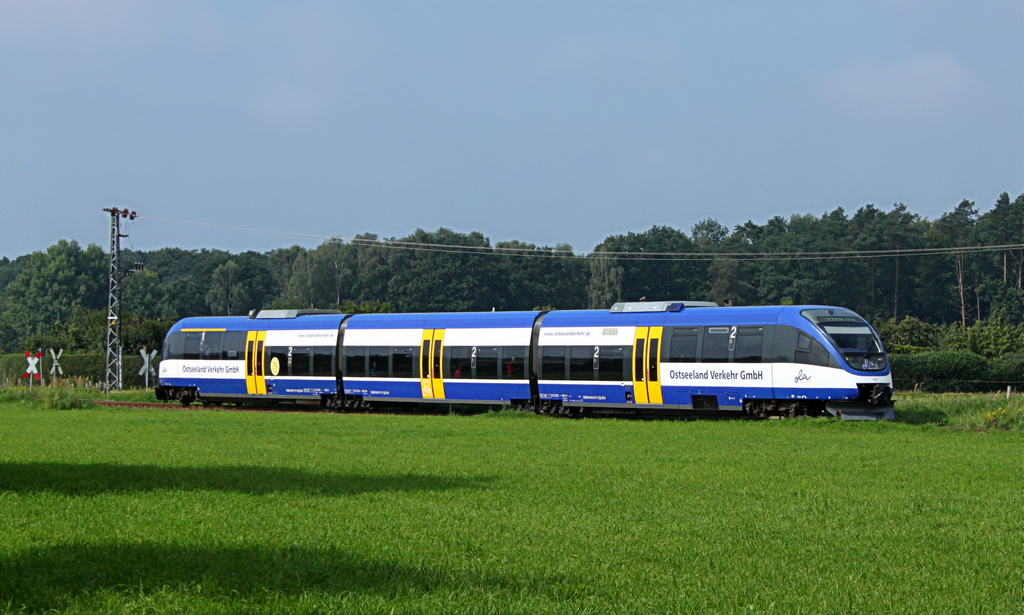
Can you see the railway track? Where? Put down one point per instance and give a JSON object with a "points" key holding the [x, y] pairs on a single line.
{"points": [[292, 409]]}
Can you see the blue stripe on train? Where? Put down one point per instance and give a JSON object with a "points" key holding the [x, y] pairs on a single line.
{"points": [[384, 388], [304, 386], [833, 393], [209, 386], [612, 393], [484, 391], [727, 396]]}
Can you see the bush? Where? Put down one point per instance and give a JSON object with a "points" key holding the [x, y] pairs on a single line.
{"points": [[940, 372], [1008, 370], [906, 349], [64, 398], [89, 367]]}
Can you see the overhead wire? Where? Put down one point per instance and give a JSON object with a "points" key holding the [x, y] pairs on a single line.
{"points": [[391, 244]]}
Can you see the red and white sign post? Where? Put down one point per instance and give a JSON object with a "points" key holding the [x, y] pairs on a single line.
{"points": [[33, 367]]}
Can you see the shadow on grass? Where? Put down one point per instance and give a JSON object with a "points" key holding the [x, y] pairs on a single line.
{"points": [[920, 416], [54, 578], [99, 478]]}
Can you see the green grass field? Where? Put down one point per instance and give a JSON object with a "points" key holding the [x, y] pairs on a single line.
{"points": [[142, 511]]}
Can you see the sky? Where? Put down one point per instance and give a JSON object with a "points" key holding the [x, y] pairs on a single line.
{"points": [[252, 125]]}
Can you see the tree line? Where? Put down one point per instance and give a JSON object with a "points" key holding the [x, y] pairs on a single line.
{"points": [[58, 297]]}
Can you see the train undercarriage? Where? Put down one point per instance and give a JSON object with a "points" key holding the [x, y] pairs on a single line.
{"points": [[875, 404]]}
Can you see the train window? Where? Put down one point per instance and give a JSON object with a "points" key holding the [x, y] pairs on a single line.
{"points": [[513, 362], [233, 346], [379, 362], [355, 361], [193, 342], [300, 361], [785, 344], [212, 344], [814, 355], [258, 358], [613, 363], [323, 361], [278, 357], [552, 362], [652, 362], [486, 362], [581, 362], [425, 360], [716, 345], [250, 358], [403, 362], [748, 345], [803, 343], [174, 346], [458, 362], [638, 366], [682, 347]]}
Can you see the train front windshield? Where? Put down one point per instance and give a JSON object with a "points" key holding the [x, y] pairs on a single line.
{"points": [[852, 336]]}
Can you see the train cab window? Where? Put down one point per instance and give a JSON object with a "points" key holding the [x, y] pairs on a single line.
{"points": [[716, 345], [355, 361], [277, 360], [682, 346], [486, 363], [233, 346], [513, 362], [613, 363], [323, 361], [379, 362], [748, 345], [174, 346], [581, 362], [810, 352], [458, 362], [212, 345], [193, 343], [552, 362], [403, 362], [301, 360]]}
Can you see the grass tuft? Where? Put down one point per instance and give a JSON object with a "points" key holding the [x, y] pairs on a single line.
{"points": [[962, 410]]}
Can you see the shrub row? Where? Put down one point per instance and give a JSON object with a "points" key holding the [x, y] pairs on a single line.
{"points": [[940, 372], [88, 368]]}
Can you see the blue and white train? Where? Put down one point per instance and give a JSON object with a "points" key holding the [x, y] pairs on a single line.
{"points": [[662, 357]]}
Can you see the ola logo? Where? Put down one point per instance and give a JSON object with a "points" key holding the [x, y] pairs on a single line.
{"points": [[275, 366]]}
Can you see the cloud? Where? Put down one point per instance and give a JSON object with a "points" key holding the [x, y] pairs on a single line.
{"points": [[927, 86]]}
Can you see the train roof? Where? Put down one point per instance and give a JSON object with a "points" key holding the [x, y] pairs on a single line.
{"points": [[444, 320], [244, 323], [695, 316], [674, 315]]}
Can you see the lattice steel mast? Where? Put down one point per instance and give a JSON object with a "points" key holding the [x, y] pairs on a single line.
{"points": [[112, 378]]}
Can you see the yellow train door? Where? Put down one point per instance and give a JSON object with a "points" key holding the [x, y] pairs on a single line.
{"points": [[255, 349], [647, 364], [431, 360]]}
